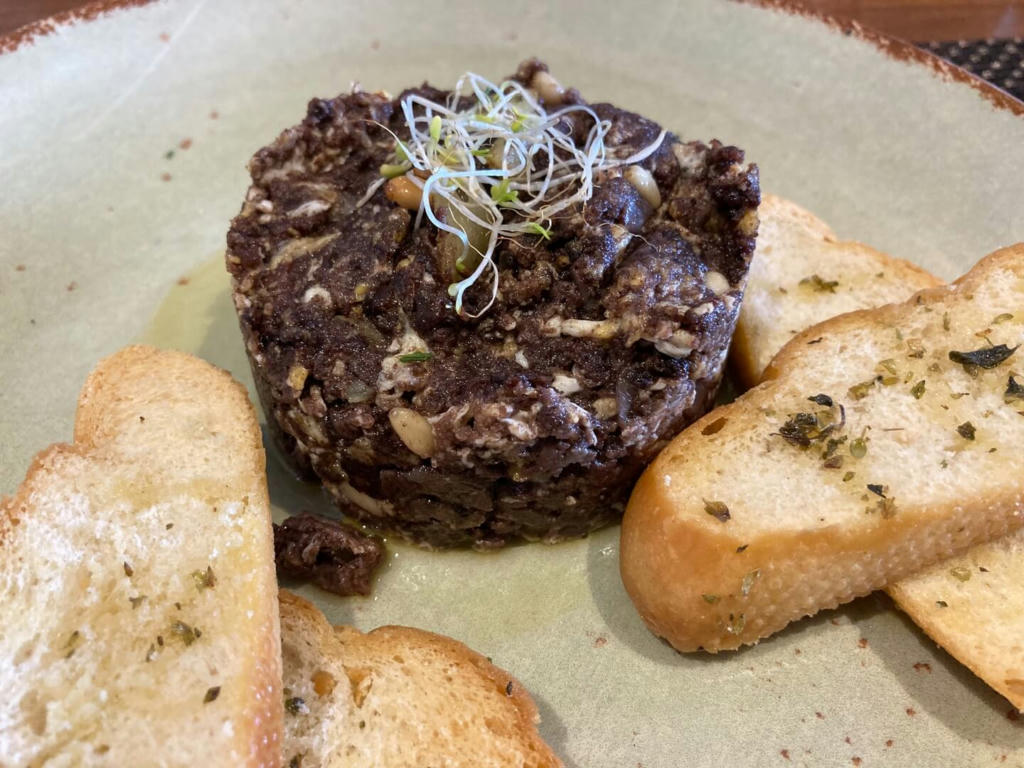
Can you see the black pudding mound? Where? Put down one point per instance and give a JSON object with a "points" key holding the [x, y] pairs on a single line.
{"points": [[532, 421]]}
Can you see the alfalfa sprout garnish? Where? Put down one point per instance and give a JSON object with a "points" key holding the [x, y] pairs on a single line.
{"points": [[498, 167]]}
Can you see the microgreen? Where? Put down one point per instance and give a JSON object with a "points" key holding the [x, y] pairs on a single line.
{"points": [[493, 165]]}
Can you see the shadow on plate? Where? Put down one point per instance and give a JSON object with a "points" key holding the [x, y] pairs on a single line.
{"points": [[553, 730], [962, 703], [975, 711]]}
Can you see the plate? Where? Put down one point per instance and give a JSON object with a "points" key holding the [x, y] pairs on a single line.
{"points": [[125, 138]]}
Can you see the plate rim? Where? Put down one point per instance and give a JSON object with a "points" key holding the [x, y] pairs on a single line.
{"points": [[891, 46], [28, 33], [898, 49]]}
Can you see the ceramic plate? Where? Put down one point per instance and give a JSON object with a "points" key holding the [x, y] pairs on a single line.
{"points": [[124, 141]]}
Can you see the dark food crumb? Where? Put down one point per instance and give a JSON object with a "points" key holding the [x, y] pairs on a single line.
{"points": [[296, 705], [185, 143], [600, 641], [338, 558], [508, 688], [863, 642], [72, 285], [923, 666], [911, 711], [211, 694], [784, 753], [183, 281], [888, 743], [856, 760]]}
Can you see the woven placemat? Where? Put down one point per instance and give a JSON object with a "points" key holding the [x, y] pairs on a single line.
{"points": [[1001, 62]]}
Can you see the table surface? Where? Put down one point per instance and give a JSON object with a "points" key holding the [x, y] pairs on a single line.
{"points": [[915, 20]]}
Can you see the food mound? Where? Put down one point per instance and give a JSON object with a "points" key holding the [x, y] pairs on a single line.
{"points": [[476, 315]]}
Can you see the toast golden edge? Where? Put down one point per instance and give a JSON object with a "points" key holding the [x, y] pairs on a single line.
{"points": [[653, 541], [948, 640], [742, 361], [101, 386], [742, 358], [526, 710]]}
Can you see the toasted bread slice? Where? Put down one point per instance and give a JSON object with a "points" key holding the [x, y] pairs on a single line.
{"points": [[398, 698], [973, 606], [138, 610], [802, 274], [751, 518]]}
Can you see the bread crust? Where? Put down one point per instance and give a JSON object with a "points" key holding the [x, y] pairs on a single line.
{"points": [[693, 577], [793, 244], [526, 715], [970, 606], [142, 388], [387, 651]]}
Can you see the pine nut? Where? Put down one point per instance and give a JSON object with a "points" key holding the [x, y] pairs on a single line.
{"points": [[414, 430], [549, 89], [644, 182], [404, 192]]}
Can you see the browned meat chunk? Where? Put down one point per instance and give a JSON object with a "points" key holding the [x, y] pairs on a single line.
{"points": [[335, 557]]}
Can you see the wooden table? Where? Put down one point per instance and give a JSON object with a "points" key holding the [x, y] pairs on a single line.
{"points": [[915, 20]]}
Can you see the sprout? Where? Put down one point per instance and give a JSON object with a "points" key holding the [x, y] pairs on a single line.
{"points": [[389, 171], [500, 164], [539, 230]]}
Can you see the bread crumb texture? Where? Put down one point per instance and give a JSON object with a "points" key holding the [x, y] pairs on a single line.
{"points": [[137, 578], [841, 473], [399, 697], [802, 274]]}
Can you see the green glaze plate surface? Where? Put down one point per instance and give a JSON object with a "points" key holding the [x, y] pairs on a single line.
{"points": [[124, 141]]}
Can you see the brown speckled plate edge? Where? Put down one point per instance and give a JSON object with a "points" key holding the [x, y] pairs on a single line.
{"points": [[609, 693]]}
